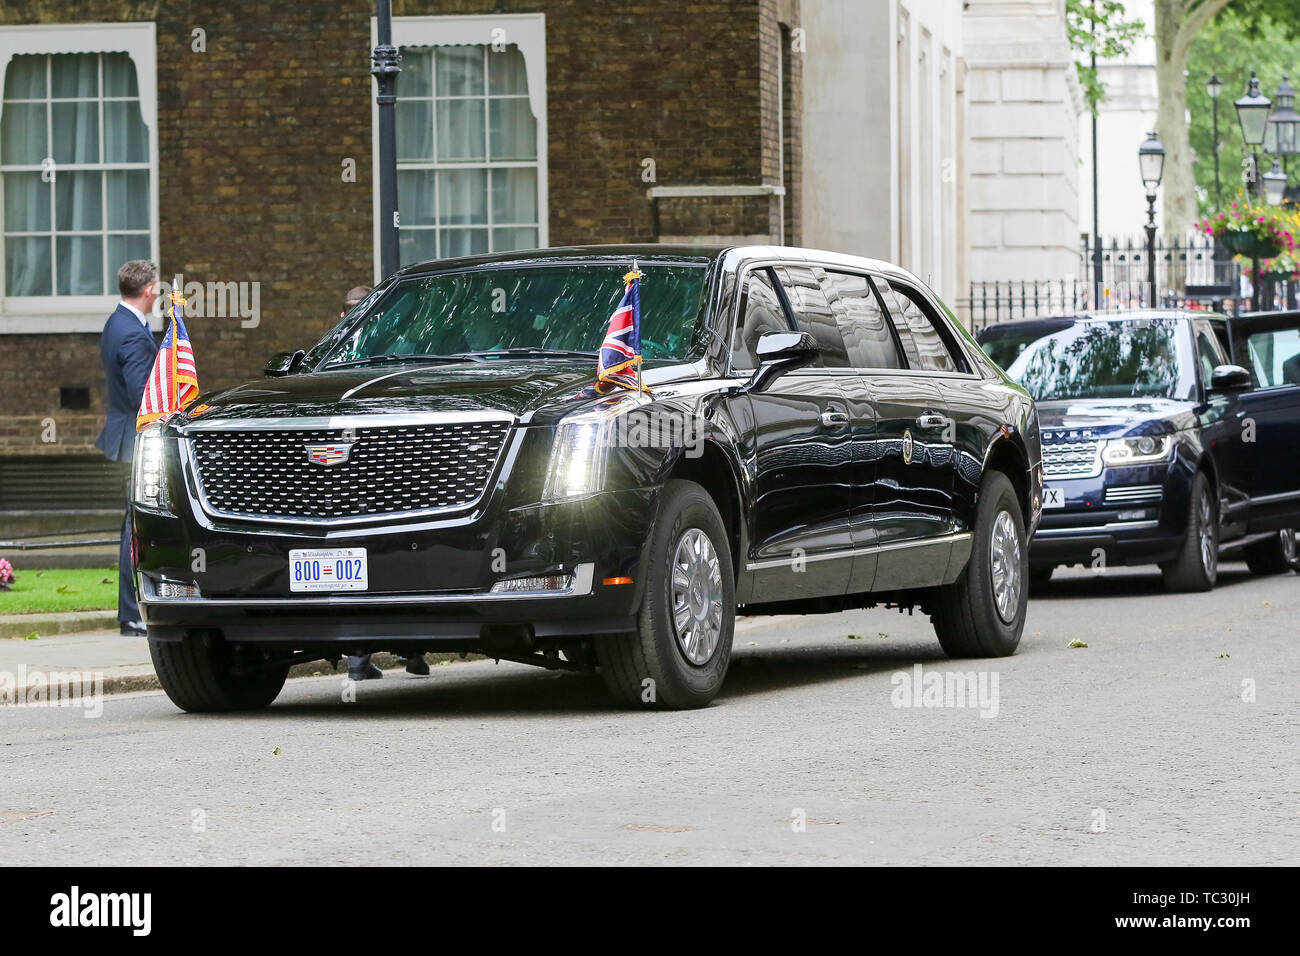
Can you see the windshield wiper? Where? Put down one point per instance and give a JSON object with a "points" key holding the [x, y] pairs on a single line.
{"points": [[526, 353], [386, 359]]}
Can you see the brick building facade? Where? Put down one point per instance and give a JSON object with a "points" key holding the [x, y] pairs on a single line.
{"points": [[661, 122]]}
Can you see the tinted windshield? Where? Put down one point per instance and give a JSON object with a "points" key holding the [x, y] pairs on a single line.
{"points": [[553, 308], [1137, 358]]}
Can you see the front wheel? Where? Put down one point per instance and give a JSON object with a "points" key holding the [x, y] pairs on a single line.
{"points": [[678, 656], [201, 673], [1273, 555], [982, 614], [1197, 566]]}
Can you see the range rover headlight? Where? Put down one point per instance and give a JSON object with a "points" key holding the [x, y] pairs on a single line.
{"points": [[148, 474], [581, 448], [1145, 450]]}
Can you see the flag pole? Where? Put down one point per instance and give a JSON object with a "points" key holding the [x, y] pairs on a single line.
{"points": [[177, 292], [636, 272]]}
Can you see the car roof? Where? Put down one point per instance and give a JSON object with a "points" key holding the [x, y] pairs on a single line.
{"points": [[674, 252], [1063, 321]]}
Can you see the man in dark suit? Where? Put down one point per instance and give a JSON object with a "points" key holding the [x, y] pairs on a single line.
{"points": [[127, 350]]}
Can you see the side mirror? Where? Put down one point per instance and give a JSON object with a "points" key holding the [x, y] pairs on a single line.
{"points": [[1231, 378], [780, 352], [283, 363]]}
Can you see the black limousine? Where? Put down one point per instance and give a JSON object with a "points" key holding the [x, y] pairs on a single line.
{"points": [[1169, 437], [440, 473]]}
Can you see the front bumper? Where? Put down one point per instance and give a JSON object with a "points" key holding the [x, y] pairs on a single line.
{"points": [[430, 582], [1098, 526]]}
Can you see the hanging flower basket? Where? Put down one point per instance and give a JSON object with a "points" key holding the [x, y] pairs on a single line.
{"points": [[1249, 244]]}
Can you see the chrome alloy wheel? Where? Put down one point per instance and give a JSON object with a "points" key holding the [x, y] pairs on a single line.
{"points": [[1209, 552], [1005, 564], [696, 585]]}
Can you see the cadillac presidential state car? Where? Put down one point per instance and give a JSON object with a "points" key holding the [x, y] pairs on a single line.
{"points": [[440, 473], [1168, 438]]}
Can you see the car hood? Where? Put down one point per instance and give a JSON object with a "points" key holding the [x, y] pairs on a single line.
{"points": [[534, 391], [1071, 419]]}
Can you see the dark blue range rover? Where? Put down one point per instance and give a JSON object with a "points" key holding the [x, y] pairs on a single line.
{"points": [[1168, 438]]}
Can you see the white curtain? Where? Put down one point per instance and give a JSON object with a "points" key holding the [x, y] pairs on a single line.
{"points": [[81, 197]]}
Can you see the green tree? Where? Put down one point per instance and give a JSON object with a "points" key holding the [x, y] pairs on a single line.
{"points": [[1177, 25], [1098, 28], [1230, 48]]}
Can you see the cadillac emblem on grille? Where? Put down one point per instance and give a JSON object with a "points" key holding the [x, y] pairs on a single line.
{"points": [[332, 454]]}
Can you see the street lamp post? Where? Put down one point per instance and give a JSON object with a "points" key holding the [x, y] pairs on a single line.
{"points": [[1252, 114], [1151, 163], [1284, 121], [1214, 87], [385, 65]]}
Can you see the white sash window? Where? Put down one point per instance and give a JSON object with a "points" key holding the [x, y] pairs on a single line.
{"points": [[78, 170], [471, 135]]}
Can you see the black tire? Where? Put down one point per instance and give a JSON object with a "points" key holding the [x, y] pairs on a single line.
{"points": [[1274, 555], [197, 674], [965, 614], [1197, 566], [649, 668], [1040, 579]]}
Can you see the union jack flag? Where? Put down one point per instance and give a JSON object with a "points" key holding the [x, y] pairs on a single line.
{"points": [[619, 361], [174, 381]]}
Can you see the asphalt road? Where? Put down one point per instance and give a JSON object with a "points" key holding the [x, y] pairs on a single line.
{"points": [[1138, 749]]}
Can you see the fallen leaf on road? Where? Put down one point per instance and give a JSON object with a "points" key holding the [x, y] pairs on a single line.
{"points": [[855, 637], [882, 635], [275, 752], [1222, 656], [33, 636], [1077, 643]]}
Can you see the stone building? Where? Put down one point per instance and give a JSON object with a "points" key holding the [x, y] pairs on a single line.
{"points": [[944, 135]]}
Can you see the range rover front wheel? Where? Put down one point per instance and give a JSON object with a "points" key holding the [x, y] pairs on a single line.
{"points": [[1197, 566], [201, 673], [983, 613], [678, 656]]}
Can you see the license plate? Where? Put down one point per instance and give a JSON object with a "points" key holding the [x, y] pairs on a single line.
{"points": [[1053, 497], [328, 569]]}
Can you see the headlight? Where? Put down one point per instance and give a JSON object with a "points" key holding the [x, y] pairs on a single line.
{"points": [[1137, 451], [581, 448], [148, 476]]}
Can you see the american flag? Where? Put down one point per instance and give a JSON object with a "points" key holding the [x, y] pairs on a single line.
{"points": [[174, 381], [619, 361]]}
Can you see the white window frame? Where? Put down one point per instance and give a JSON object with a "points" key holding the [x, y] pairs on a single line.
{"points": [[524, 30], [83, 313]]}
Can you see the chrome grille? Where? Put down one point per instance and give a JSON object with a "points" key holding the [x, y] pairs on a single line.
{"points": [[1126, 493], [399, 470], [1072, 459]]}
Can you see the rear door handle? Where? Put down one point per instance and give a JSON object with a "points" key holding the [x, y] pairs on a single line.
{"points": [[831, 419], [931, 421]]}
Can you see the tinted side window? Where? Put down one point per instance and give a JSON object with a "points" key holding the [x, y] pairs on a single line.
{"points": [[918, 329], [863, 324], [1275, 357], [812, 313], [760, 311]]}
